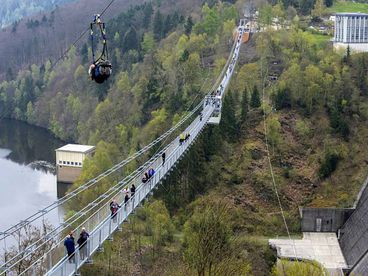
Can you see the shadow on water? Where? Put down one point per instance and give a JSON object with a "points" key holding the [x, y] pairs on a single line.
{"points": [[28, 143], [62, 188]]}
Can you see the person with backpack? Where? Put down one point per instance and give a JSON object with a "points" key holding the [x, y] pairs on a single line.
{"points": [[151, 172], [70, 247], [114, 207], [82, 242]]}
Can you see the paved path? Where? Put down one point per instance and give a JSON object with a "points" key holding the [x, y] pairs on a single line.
{"points": [[321, 247]]}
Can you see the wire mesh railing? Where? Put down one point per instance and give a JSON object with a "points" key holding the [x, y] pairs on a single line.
{"points": [[54, 261]]}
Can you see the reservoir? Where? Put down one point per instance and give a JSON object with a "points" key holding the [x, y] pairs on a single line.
{"points": [[27, 172]]}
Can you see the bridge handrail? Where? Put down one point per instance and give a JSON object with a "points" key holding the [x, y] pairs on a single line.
{"points": [[93, 181], [133, 176], [104, 208], [85, 210]]}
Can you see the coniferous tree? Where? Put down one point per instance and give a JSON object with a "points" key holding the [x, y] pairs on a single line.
{"points": [[188, 25], [229, 125], [168, 25], [328, 3], [255, 100], [158, 25], [147, 14], [130, 41], [244, 107]]}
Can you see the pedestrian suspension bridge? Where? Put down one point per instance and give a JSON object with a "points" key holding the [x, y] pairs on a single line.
{"points": [[96, 216]]}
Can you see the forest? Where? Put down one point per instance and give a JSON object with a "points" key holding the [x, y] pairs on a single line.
{"points": [[12, 11], [164, 62]]}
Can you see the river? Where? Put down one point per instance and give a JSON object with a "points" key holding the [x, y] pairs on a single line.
{"points": [[27, 172]]}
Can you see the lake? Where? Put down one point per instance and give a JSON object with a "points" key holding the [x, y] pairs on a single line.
{"points": [[27, 172]]}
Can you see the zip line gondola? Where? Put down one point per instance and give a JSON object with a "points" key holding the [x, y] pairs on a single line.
{"points": [[101, 68]]}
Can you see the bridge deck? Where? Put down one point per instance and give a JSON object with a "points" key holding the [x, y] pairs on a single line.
{"points": [[100, 225]]}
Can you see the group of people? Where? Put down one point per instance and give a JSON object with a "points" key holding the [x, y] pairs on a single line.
{"points": [[114, 205], [148, 174], [69, 244], [183, 138]]}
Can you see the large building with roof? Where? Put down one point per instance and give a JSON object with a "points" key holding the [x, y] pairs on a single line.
{"points": [[351, 29], [69, 161]]}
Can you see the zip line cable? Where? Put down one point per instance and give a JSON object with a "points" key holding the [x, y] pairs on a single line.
{"points": [[63, 55], [90, 183], [270, 164], [108, 193]]}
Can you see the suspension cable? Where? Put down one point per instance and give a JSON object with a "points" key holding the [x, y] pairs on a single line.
{"points": [[63, 55], [95, 180], [115, 190], [108, 193], [92, 204]]}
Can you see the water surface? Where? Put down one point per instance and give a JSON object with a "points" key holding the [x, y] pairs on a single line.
{"points": [[27, 172]]}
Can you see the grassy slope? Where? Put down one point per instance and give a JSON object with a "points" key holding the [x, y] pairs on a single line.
{"points": [[348, 7]]}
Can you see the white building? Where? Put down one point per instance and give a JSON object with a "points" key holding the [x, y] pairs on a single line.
{"points": [[351, 29], [69, 161]]}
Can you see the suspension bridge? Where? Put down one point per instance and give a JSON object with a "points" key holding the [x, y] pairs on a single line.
{"points": [[96, 216]]}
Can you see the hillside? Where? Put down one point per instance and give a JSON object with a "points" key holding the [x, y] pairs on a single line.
{"points": [[165, 60], [12, 11], [46, 35]]}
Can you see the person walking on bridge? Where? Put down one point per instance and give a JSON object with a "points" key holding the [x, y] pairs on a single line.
{"points": [[151, 172], [114, 207], [163, 158], [132, 190], [82, 242], [70, 247], [126, 201], [181, 139]]}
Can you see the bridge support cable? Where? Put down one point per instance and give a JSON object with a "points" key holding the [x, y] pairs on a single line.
{"points": [[94, 181], [54, 262], [101, 220], [48, 237], [40, 214]]}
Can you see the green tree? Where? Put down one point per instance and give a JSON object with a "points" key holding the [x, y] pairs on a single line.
{"points": [[265, 15], [212, 20], [328, 3], [273, 131], [130, 41], [318, 9], [158, 25], [255, 100], [207, 237], [188, 25], [329, 164], [229, 124], [29, 113], [148, 42], [147, 13], [244, 106]]}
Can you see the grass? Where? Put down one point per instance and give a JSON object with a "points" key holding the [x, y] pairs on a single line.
{"points": [[348, 7], [321, 39]]}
